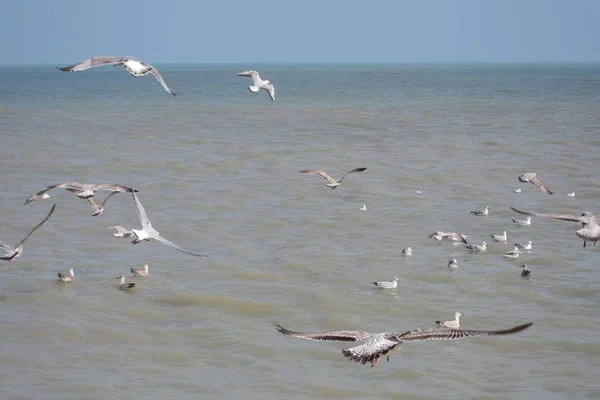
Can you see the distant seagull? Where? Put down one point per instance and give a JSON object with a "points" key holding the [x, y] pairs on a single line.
{"points": [[531, 177], [513, 253], [121, 232], [332, 183], [454, 324], [500, 238], [379, 344], [481, 213], [438, 236], [81, 190], [259, 83], [452, 263], [525, 273], [126, 287], [590, 231], [67, 278], [387, 285], [526, 246], [134, 66], [148, 232], [572, 194], [522, 222], [518, 190], [407, 251], [363, 208], [15, 251], [477, 247], [140, 272], [418, 192]]}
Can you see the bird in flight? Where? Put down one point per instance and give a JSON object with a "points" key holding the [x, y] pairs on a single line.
{"points": [[331, 183], [531, 177], [259, 83], [12, 252]]}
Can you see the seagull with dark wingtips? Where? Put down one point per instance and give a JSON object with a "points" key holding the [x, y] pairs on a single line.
{"points": [[259, 83], [81, 190], [531, 177], [331, 183], [14, 251]]}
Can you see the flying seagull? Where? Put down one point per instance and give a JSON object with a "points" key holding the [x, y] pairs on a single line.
{"points": [[15, 251], [148, 232], [134, 66], [438, 236], [590, 229], [121, 232], [332, 183], [81, 190], [531, 177], [378, 344], [259, 83], [454, 324], [99, 208]]}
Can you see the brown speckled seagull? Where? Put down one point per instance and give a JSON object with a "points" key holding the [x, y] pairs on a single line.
{"points": [[531, 177], [331, 183]]}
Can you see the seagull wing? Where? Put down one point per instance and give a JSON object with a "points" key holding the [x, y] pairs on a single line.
{"points": [[372, 349], [37, 226], [350, 172], [317, 172], [537, 182], [454, 334], [561, 217], [174, 246], [333, 336], [113, 187], [271, 90], [252, 74], [159, 78], [146, 225], [107, 197], [5, 246], [91, 63]]}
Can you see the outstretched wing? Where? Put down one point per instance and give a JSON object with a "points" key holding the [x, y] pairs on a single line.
{"points": [[107, 197], [252, 74], [160, 80], [333, 336], [174, 246], [91, 63], [5, 246], [349, 172], [141, 212], [537, 182], [457, 237], [271, 90], [454, 334], [114, 187], [37, 226], [317, 172], [561, 217], [372, 349]]}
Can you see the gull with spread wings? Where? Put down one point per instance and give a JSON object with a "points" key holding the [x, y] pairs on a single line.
{"points": [[531, 177], [81, 190], [332, 183], [134, 66], [15, 251], [378, 344], [259, 83]]}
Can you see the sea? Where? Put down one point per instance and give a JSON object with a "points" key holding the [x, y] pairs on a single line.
{"points": [[216, 168]]}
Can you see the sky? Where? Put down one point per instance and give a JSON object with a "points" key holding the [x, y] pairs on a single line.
{"points": [[300, 31]]}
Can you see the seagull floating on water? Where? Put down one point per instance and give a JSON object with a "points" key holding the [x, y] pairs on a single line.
{"points": [[363, 208], [379, 344], [531, 177], [407, 251], [140, 272], [522, 222], [15, 251], [477, 247], [500, 238], [518, 190], [452, 263], [121, 232], [67, 278], [513, 253], [81, 190], [572, 194], [387, 285], [332, 183], [454, 324], [134, 66], [259, 83], [525, 273], [526, 246], [481, 213], [126, 287], [590, 231]]}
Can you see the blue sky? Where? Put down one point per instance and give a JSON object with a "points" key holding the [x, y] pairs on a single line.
{"points": [[261, 31]]}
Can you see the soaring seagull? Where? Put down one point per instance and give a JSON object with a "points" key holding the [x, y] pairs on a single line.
{"points": [[134, 66], [531, 177], [81, 190], [259, 83], [148, 232], [590, 228], [331, 183], [15, 251], [378, 344]]}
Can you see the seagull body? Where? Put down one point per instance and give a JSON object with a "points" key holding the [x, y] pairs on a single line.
{"points": [[81, 190], [387, 285], [590, 228], [121, 232], [531, 177], [525, 273], [378, 344], [527, 246], [148, 232], [407, 251], [522, 222], [331, 183], [67, 278], [140, 272], [454, 324], [572, 194], [125, 287], [15, 251], [438, 236], [477, 247], [259, 83], [513, 253], [452, 263], [500, 238], [134, 66], [481, 213]]}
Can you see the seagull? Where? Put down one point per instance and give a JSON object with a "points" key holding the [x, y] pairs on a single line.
{"points": [[259, 83], [438, 236], [477, 247], [387, 285], [126, 287], [518, 190], [590, 229], [332, 183], [572, 194], [134, 66], [453, 263], [15, 251], [500, 238], [363, 208], [451, 324], [121, 232], [481, 213], [99, 208], [81, 190], [67, 278], [522, 222], [524, 246], [526, 273], [513, 253], [378, 344], [148, 232], [531, 177], [140, 272], [407, 251]]}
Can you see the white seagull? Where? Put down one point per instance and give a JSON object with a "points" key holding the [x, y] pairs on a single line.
{"points": [[531, 177], [572, 194], [477, 247], [387, 285], [438, 236], [140, 272], [331, 183], [407, 251], [148, 232], [134, 66], [14, 251], [126, 287], [518, 190], [363, 208], [81, 190], [452, 263], [513, 253], [500, 238], [482, 213], [454, 324], [259, 83], [121, 232], [379, 344], [67, 278], [526, 246], [522, 222]]}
